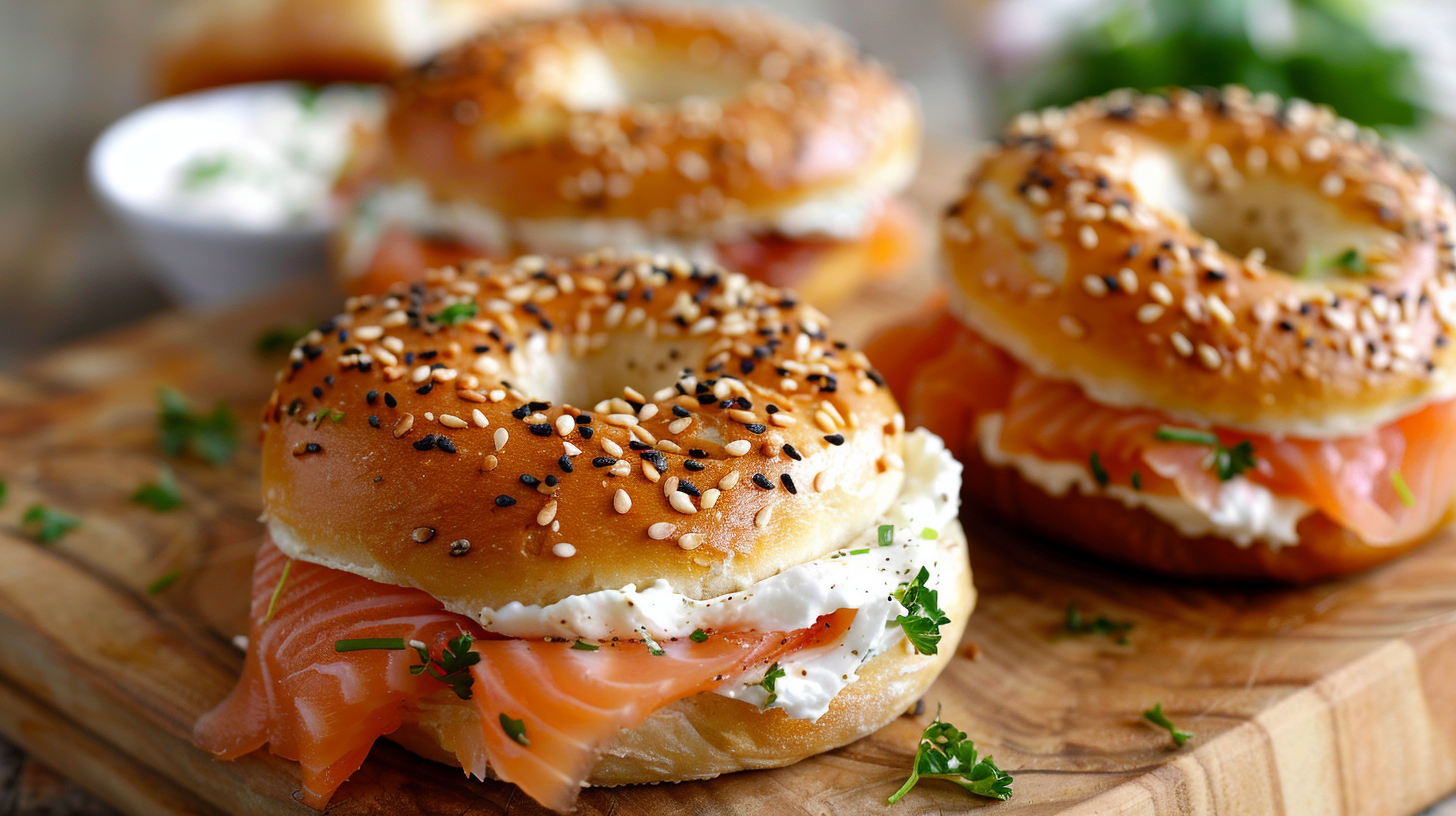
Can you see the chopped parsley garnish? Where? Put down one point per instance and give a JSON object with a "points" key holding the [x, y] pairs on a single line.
{"points": [[945, 753], [278, 592], [1227, 462], [457, 313], [515, 729], [45, 525], [1137, 480], [1402, 490], [452, 667], [698, 636], [1351, 262], [335, 416], [1098, 471], [859, 552], [160, 495], [308, 96], [279, 339], [583, 646], [923, 618], [205, 170], [767, 684], [4, 489], [1100, 625], [653, 647], [160, 585], [887, 535], [1156, 716], [930, 534], [212, 436]]}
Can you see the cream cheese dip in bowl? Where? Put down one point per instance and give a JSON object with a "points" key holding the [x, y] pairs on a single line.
{"points": [[229, 192]]}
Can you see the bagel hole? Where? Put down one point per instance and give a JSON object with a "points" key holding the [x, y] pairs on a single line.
{"points": [[596, 79], [1297, 228], [628, 360]]}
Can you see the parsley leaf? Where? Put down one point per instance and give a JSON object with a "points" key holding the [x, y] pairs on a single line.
{"points": [[160, 495], [653, 647], [4, 489], [945, 753], [1098, 471], [1227, 462], [923, 617], [887, 535], [160, 585], [1137, 480], [212, 436], [457, 313], [205, 170], [46, 526], [767, 684], [1100, 625], [369, 644], [698, 636], [1156, 716], [583, 646], [515, 729], [930, 534], [453, 666], [1351, 262]]}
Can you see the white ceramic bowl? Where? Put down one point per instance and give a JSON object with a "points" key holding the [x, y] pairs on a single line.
{"points": [[204, 255]]}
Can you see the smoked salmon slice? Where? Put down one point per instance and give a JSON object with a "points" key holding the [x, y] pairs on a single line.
{"points": [[325, 709], [1388, 485]]}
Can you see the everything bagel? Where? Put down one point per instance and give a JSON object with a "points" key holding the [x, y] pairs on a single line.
{"points": [[589, 522], [1223, 315], [725, 135]]}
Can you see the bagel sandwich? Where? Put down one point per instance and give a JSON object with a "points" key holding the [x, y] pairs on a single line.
{"points": [[603, 521], [728, 136], [1206, 334]]}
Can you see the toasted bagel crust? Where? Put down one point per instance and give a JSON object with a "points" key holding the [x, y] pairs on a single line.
{"points": [[1070, 251], [785, 113], [450, 458]]}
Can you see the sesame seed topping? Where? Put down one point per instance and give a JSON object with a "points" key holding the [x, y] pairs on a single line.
{"points": [[682, 502], [547, 514], [459, 547], [738, 447], [565, 424], [621, 502], [763, 516], [563, 550], [729, 480], [660, 530], [404, 425], [691, 541], [452, 421], [501, 437], [422, 535], [478, 417]]}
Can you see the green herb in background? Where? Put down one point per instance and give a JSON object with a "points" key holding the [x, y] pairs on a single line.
{"points": [[4, 490], [1156, 716], [1076, 624], [45, 525], [160, 495], [1227, 461], [214, 436], [280, 339], [945, 753], [1331, 58], [160, 585], [205, 170], [457, 313]]}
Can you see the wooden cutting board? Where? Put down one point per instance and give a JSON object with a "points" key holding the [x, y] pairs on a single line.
{"points": [[1333, 699]]}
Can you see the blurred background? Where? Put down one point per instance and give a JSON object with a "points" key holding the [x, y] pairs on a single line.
{"points": [[69, 67]]}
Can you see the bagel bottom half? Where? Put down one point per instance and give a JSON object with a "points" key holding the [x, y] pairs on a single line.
{"points": [[1133, 536], [707, 735]]}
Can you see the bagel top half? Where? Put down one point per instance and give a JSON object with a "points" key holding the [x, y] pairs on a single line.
{"points": [[676, 115], [1228, 259], [528, 431]]}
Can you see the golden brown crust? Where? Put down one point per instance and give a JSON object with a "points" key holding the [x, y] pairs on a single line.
{"points": [[707, 735], [1133, 536], [208, 43], [747, 114], [756, 443], [1065, 253]]}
